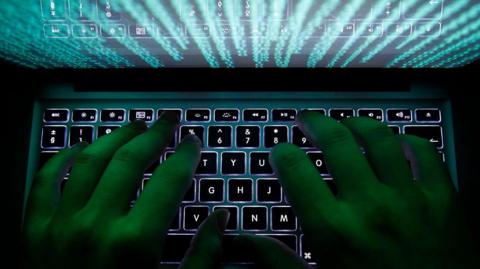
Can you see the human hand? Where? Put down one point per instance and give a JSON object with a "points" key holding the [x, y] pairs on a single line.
{"points": [[381, 217], [92, 225]]}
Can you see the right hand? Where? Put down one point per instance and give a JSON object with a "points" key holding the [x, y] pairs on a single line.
{"points": [[382, 217]]}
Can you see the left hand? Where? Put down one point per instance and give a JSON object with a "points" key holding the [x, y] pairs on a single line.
{"points": [[92, 225]]}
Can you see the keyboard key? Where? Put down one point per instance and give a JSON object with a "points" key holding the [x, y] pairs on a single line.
{"points": [[269, 191], [240, 190], [284, 115], [144, 183], [63, 182], [176, 111], [299, 139], [254, 218], [275, 135], [44, 157], [195, 130], [287, 239], [232, 252], [220, 136], [283, 219], [306, 251], [318, 160], [211, 190], [399, 115], [168, 154], [248, 136], [395, 129], [259, 164], [105, 130], [227, 115], [81, 134], [376, 114], [173, 142], [207, 164], [331, 185], [175, 223], [232, 223], [55, 115], [152, 167], [255, 115], [428, 115], [435, 8], [431, 133], [233, 163], [141, 114], [340, 114], [190, 194], [318, 110], [178, 244], [389, 10], [193, 216], [53, 136], [198, 115], [112, 115], [84, 115]]}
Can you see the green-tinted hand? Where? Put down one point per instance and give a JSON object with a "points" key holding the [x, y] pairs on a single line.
{"points": [[92, 225], [381, 217]]}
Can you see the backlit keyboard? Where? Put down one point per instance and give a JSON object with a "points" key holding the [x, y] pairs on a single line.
{"points": [[234, 172]]}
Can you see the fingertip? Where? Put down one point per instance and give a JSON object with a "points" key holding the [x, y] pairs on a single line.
{"points": [[170, 117], [192, 143], [222, 216], [282, 153], [283, 149], [192, 139], [306, 115], [81, 145], [138, 125]]}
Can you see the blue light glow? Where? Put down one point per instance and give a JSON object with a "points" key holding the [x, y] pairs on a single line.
{"points": [[240, 33]]}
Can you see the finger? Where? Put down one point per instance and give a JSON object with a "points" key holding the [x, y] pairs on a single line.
{"points": [[267, 252], [45, 191], [91, 163], [383, 150], [206, 248], [425, 161], [304, 186], [349, 168], [120, 180], [157, 205]]}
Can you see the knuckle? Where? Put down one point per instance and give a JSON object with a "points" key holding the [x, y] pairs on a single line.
{"points": [[88, 157], [130, 155], [336, 135], [131, 237], [378, 131]]}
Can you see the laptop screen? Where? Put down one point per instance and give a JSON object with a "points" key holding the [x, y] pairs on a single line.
{"points": [[240, 33]]}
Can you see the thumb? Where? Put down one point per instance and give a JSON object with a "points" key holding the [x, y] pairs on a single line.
{"points": [[206, 248], [267, 252]]}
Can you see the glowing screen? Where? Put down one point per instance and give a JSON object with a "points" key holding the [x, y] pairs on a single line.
{"points": [[240, 33]]}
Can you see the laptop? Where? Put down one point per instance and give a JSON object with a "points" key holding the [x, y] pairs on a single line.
{"points": [[237, 72]]}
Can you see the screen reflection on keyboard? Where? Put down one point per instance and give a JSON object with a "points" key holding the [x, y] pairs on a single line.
{"points": [[234, 171]]}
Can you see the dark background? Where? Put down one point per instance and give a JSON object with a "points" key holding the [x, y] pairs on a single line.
{"points": [[20, 86]]}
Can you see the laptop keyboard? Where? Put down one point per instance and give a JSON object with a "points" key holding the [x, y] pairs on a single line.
{"points": [[234, 171]]}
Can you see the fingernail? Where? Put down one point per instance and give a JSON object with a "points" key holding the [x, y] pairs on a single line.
{"points": [[191, 138], [170, 116], [222, 219], [139, 125]]}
